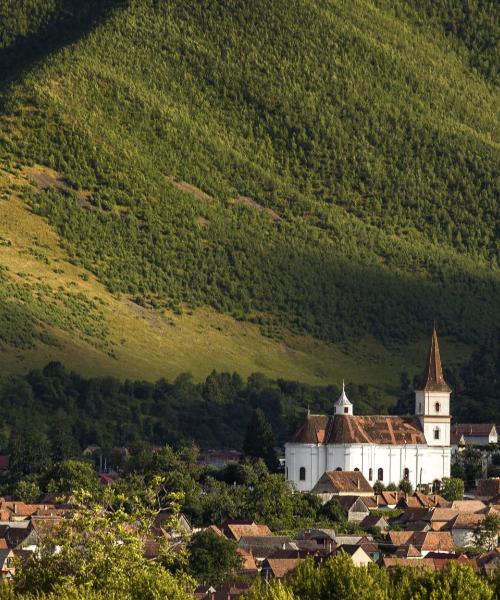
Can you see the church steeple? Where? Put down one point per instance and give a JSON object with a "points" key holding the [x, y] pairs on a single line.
{"points": [[343, 406], [433, 379]]}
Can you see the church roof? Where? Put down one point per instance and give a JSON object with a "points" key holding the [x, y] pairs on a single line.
{"points": [[313, 430], [433, 379], [377, 429], [351, 429]]}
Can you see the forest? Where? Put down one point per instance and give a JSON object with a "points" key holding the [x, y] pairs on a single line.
{"points": [[62, 409], [328, 169]]}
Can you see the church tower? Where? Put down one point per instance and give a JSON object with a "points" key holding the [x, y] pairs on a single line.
{"points": [[343, 406], [432, 399]]}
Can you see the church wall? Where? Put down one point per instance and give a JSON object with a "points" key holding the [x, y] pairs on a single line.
{"points": [[425, 463]]}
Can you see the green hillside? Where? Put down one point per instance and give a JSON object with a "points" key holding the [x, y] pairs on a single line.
{"points": [[300, 188]]}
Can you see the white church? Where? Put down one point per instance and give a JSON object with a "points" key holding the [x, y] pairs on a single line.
{"points": [[384, 448]]}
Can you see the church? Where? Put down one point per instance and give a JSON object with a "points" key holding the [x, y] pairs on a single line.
{"points": [[384, 448]]}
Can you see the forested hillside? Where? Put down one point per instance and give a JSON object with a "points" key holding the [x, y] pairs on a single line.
{"points": [[318, 169]]}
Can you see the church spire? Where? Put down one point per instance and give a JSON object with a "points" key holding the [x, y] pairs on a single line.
{"points": [[433, 379]]}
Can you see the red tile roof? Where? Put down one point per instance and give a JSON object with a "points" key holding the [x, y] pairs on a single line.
{"points": [[342, 482]]}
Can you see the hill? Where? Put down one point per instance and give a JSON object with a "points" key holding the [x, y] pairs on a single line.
{"points": [[299, 190]]}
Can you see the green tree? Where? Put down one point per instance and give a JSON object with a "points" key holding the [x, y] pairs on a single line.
{"points": [[259, 440], [212, 557], [101, 548], [452, 488], [71, 475], [271, 502], [334, 511], [30, 452], [378, 487], [486, 533], [27, 491], [405, 486]]}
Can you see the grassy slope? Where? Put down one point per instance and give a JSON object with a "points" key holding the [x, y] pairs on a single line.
{"points": [[370, 138]]}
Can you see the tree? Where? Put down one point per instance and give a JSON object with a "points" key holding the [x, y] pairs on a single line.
{"points": [[486, 533], [61, 436], [212, 557], [452, 489], [378, 487], [71, 475], [100, 547], [271, 502], [334, 511], [30, 452], [27, 491], [259, 440], [406, 486]]}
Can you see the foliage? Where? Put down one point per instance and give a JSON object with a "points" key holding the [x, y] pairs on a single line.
{"points": [[486, 533], [405, 486], [212, 557], [452, 488], [345, 180], [338, 579], [378, 487], [100, 548], [259, 440]]}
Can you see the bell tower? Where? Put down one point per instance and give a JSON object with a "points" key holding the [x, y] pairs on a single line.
{"points": [[432, 399]]}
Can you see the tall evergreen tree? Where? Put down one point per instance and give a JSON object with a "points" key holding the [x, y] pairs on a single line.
{"points": [[259, 440]]}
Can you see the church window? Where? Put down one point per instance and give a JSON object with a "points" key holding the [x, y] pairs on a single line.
{"points": [[406, 473], [436, 433], [380, 475], [338, 469], [356, 469], [437, 407], [370, 474], [302, 474], [346, 410]]}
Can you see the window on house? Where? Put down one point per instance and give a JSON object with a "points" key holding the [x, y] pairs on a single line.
{"points": [[346, 410], [436, 433], [380, 475], [370, 474], [437, 407], [406, 473], [302, 474]]}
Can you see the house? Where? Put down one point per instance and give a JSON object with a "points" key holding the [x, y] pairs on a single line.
{"points": [[7, 563], [408, 551], [324, 538], [463, 526], [480, 434], [277, 568], [433, 541], [371, 521], [457, 441], [471, 506], [248, 564], [488, 563], [236, 529], [419, 500], [391, 562], [387, 500], [356, 508], [262, 547], [359, 557], [382, 447], [342, 483], [488, 489]]}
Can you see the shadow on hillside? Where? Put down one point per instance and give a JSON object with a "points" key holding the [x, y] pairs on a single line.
{"points": [[69, 22]]}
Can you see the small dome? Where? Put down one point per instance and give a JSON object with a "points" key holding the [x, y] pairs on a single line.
{"points": [[343, 399], [343, 405]]}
